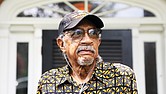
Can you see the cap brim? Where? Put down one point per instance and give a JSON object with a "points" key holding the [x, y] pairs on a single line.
{"points": [[94, 19]]}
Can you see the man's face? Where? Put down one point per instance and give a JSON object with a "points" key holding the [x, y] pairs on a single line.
{"points": [[80, 47]]}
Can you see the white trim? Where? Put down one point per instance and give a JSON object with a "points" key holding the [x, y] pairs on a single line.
{"points": [[34, 65], [157, 38], [164, 53], [36, 61], [4, 65], [138, 59], [21, 5], [12, 66], [21, 28]]}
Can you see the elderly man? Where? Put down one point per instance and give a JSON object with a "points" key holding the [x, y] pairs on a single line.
{"points": [[85, 72]]}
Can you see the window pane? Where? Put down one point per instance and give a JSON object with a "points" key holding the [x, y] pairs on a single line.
{"points": [[150, 67], [22, 68], [102, 8]]}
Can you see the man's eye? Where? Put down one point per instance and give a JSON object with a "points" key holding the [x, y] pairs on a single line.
{"points": [[93, 32], [77, 33]]}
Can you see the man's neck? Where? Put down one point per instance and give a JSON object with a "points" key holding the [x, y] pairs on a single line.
{"points": [[82, 74]]}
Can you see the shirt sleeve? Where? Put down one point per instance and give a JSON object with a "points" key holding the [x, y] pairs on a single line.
{"points": [[134, 84], [129, 78], [39, 88]]}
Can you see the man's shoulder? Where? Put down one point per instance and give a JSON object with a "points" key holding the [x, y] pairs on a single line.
{"points": [[123, 68], [119, 67], [52, 77], [55, 71]]}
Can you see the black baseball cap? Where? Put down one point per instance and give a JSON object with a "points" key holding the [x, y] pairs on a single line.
{"points": [[72, 19]]}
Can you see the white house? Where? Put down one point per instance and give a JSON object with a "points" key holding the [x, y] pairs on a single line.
{"points": [[135, 30]]}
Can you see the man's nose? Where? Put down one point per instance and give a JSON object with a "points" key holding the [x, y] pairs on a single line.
{"points": [[86, 39]]}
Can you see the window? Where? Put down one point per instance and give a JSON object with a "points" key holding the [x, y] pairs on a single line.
{"points": [[102, 8], [22, 68], [150, 67]]}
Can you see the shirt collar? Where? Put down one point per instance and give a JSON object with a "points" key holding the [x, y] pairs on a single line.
{"points": [[63, 74], [99, 72]]}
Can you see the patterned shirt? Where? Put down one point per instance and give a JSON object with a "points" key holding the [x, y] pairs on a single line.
{"points": [[108, 78]]}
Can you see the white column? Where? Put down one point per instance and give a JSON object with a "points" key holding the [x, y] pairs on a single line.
{"points": [[3, 60], [164, 55], [35, 61], [138, 63]]}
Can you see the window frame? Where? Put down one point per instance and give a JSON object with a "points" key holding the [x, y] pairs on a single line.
{"points": [[12, 68]]}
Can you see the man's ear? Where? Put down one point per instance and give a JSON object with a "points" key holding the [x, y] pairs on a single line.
{"points": [[99, 41], [60, 43]]}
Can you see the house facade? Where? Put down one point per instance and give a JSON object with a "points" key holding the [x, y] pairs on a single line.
{"points": [[134, 34]]}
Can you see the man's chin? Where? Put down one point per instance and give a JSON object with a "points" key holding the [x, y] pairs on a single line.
{"points": [[85, 61]]}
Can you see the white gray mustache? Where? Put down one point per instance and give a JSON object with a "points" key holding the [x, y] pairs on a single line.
{"points": [[90, 48]]}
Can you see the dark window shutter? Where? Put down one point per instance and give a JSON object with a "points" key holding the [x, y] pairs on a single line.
{"points": [[58, 59], [115, 47], [111, 50]]}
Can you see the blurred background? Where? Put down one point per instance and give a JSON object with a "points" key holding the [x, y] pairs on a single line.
{"points": [[134, 34]]}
